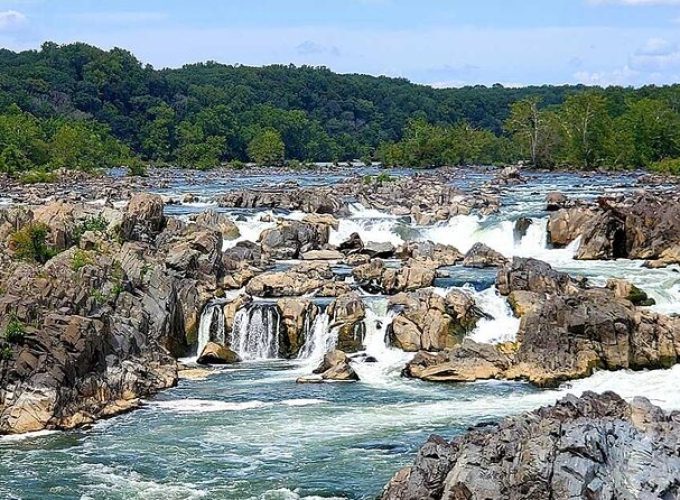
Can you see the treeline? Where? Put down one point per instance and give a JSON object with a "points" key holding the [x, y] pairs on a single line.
{"points": [[592, 129], [203, 115]]}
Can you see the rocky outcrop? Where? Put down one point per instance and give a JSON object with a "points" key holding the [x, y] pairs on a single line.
{"points": [[567, 331], [290, 239], [595, 446], [430, 254], [555, 200], [645, 226], [297, 315], [565, 225], [99, 325], [429, 321], [375, 277], [335, 367], [347, 314], [301, 279], [480, 256], [220, 222]]}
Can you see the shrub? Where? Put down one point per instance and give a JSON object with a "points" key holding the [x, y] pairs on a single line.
{"points": [[384, 177], [29, 243], [666, 166], [5, 353], [38, 177], [236, 164], [79, 260], [137, 169], [94, 223], [15, 331]]}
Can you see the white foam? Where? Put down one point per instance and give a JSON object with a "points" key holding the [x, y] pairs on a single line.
{"points": [[191, 405], [503, 325], [14, 438], [286, 494], [303, 402]]}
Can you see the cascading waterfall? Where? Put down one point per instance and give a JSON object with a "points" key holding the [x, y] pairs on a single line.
{"points": [[502, 326], [255, 335], [319, 340], [211, 326]]}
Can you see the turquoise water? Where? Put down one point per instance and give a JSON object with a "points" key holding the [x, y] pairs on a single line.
{"points": [[250, 432]]}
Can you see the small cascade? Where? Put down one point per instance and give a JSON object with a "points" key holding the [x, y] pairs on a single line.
{"points": [[320, 339], [501, 326], [211, 326], [255, 335], [382, 363]]}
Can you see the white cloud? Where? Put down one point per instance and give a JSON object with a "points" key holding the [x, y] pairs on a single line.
{"points": [[657, 54], [11, 20]]}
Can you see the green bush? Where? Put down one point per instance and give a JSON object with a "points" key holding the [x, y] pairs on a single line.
{"points": [[38, 177], [29, 243], [137, 169], [669, 166], [5, 353], [79, 260], [384, 177], [94, 223], [236, 164], [15, 332]]}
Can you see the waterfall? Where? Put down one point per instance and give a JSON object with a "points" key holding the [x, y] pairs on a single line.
{"points": [[502, 326], [255, 335], [319, 340], [211, 326]]}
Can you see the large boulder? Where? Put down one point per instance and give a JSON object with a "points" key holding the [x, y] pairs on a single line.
{"points": [[432, 322], [375, 277], [299, 280], [335, 367], [480, 256], [567, 224], [347, 313], [144, 218], [218, 222], [297, 315], [291, 238], [432, 254], [555, 200], [216, 354], [534, 275], [595, 446]]}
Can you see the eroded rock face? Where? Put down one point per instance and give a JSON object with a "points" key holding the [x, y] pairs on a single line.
{"points": [[430, 322], [297, 315], [566, 332], [565, 225], [301, 279], [595, 446], [220, 222], [102, 321], [347, 314], [431, 254], [216, 354]]}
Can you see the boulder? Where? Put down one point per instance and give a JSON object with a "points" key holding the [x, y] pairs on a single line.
{"points": [[534, 275], [218, 222], [216, 354], [595, 446], [144, 218], [352, 245], [432, 254], [299, 280], [375, 249], [567, 224], [626, 290], [297, 315], [520, 228], [347, 313], [60, 219], [291, 238], [375, 277], [555, 200], [334, 367], [323, 255], [481, 256]]}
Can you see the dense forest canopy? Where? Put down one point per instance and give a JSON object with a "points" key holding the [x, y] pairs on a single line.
{"points": [[108, 107]]}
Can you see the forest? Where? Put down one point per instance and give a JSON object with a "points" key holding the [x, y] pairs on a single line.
{"points": [[77, 106]]}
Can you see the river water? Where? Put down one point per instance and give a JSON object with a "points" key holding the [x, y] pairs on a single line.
{"points": [[250, 432]]}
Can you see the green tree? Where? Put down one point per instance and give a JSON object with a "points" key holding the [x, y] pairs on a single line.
{"points": [[586, 124], [267, 148]]}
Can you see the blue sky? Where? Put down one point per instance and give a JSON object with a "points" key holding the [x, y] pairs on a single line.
{"points": [[437, 42]]}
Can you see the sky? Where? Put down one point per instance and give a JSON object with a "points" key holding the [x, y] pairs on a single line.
{"points": [[444, 43]]}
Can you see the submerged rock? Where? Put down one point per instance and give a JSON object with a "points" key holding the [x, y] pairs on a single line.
{"points": [[595, 446]]}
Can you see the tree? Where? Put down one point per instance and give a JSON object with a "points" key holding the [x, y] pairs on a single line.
{"points": [[267, 148], [585, 122], [534, 131]]}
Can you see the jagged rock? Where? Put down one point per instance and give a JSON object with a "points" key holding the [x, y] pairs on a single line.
{"points": [[322, 220], [534, 275], [297, 315], [481, 256], [351, 245], [626, 290], [347, 315], [520, 228], [432, 254], [567, 224], [218, 222], [375, 249], [301, 279], [428, 321], [144, 218], [216, 354], [334, 367], [60, 218], [555, 200], [375, 277], [291, 238], [595, 446]]}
